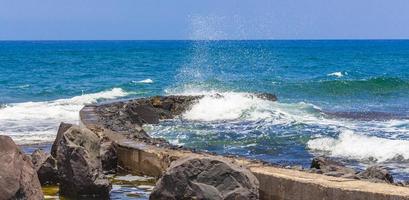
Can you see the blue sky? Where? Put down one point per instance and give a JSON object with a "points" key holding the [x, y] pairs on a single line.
{"points": [[210, 19]]}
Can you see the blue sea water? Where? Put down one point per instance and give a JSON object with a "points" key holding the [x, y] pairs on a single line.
{"points": [[345, 99]]}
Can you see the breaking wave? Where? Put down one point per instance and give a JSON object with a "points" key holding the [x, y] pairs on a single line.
{"points": [[36, 122], [380, 140], [361, 147]]}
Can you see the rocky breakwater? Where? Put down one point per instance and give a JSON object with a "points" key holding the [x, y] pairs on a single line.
{"points": [[123, 121], [127, 117]]}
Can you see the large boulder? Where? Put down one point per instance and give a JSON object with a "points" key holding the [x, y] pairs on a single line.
{"points": [[18, 178], [46, 167], [206, 178], [376, 174], [79, 164], [332, 168]]}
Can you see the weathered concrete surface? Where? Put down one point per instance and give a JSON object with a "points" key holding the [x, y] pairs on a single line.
{"points": [[275, 183]]}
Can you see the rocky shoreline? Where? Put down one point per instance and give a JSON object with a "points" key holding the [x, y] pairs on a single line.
{"points": [[81, 157]]}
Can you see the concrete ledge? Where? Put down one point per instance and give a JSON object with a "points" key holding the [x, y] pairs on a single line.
{"points": [[275, 183]]}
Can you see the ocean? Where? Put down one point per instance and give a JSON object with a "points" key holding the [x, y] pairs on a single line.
{"points": [[346, 99]]}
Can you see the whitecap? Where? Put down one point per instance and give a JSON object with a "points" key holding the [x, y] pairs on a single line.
{"points": [[226, 106], [24, 86], [144, 81], [37, 122], [336, 74], [354, 146]]}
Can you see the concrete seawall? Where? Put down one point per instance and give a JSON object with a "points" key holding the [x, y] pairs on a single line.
{"points": [[275, 183]]}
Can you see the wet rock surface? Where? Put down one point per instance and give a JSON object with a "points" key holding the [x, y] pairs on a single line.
{"points": [[79, 164], [206, 178], [128, 117], [330, 167], [376, 174], [18, 178], [46, 167]]}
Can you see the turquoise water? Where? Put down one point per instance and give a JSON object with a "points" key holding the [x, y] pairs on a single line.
{"points": [[344, 99]]}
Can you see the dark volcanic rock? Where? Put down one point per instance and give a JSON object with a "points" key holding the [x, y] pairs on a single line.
{"points": [[206, 178], [376, 174], [144, 114], [79, 164], [128, 117], [18, 178], [331, 168], [267, 96], [61, 129], [46, 167], [109, 157]]}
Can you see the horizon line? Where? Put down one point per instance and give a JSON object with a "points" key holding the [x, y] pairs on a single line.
{"points": [[205, 40]]}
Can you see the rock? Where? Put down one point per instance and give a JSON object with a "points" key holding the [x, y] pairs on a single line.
{"points": [[267, 96], [18, 178], [206, 178], [331, 168], [79, 164], [109, 157], [145, 114], [128, 117], [46, 167], [376, 174], [61, 129]]}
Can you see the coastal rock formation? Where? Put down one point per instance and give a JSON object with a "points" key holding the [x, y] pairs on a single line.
{"points": [[128, 117], [267, 96], [376, 174], [206, 178], [18, 178], [46, 167], [79, 165], [331, 168]]}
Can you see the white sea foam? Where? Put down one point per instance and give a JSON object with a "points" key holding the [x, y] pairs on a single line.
{"points": [[246, 106], [337, 74], [233, 106], [355, 146], [144, 81], [33, 122]]}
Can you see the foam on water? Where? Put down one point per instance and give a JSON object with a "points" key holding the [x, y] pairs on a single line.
{"points": [[336, 74], [361, 147], [349, 138], [226, 106], [144, 81], [35, 122]]}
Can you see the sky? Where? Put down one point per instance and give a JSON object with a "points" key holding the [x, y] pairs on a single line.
{"points": [[206, 19]]}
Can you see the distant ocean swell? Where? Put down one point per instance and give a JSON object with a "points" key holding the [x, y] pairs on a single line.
{"points": [[377, 85]]}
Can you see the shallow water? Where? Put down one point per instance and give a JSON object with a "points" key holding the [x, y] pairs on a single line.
{"points": [[345, 99], [125, 186]]}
